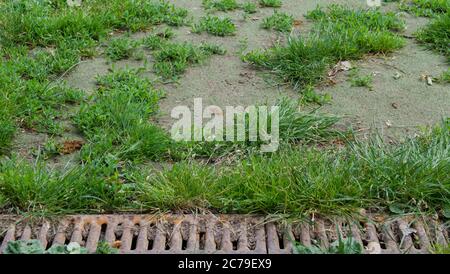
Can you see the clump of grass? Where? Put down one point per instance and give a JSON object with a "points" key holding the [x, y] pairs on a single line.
{"points": [[116, 122], [215, 25], [222, 5], [295, 127], [172, 59], [249, 7], [413, 174], [361, 80], [156, 41], [270, 3], [444, 77], [121, 48], [436, 35], [42, 40], [427, 8], [279, 21], [338, 34]]}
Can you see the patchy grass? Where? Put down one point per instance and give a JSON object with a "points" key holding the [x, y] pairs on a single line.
{"points": [[310, 96], [172, 59], [215, 26], [155, 41], [279, 21], [270, 3], [249, 7], [121, 48], [338, 34], [222, 5], [411, 176], [116, 119], [358, 80], [436, 35], [427, 8], [295, 127], [42, 40]]}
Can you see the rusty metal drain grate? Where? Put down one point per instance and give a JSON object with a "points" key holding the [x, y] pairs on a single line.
{"points": [[225, 233]]}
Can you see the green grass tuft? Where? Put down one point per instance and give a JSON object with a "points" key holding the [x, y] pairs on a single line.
{"points": [[249, 7], [279, 21], [222, 5], [215, 25], [436, 35], [338, 34], [121, 48], [270, 3]]}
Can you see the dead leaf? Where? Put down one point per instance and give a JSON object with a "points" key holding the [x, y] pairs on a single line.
{"points": [[70, 147], [298, 23]]}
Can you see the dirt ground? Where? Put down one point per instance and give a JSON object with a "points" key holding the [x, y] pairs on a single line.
{"points": [[395, 107]]}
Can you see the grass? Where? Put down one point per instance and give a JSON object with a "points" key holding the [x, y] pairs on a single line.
{"points": [[279, 21], [361, 80], [428, 8], [121, 48], [249, 7], [436, 35], [270, 3], [413, 174], [338, 34], [295, 127], [116, 120], [172, 59], [309, 95], [42, 40], [222, 5], [215, 26]]}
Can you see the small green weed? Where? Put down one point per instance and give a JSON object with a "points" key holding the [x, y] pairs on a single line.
{"points": [[341, 246], [361, 80], [436, 35], [121, 48], [338, 34], [215, 25], [427, 8], [279, 21], [270, 3], [35, 247], [249, 7], [222, 5], [173, 59]]}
